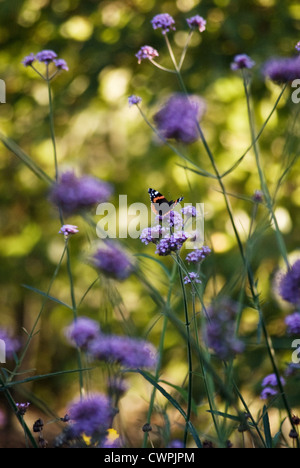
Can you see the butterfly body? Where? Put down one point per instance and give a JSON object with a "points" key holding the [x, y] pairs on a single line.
{"points": [[159, 204]]}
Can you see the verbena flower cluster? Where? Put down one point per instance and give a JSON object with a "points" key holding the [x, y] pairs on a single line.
{"points": [[47, 57], [270, 386], [73, 194], [289, 287], [282, 70], [125, 351], [112, 261], [90, 416], [179, 117]]}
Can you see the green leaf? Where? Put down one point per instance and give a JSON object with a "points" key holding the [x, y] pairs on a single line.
{"points": [[7, 385], [267, 429], [15, 148], [176, 405], [42, 293], [160, 263], [182, 392]]}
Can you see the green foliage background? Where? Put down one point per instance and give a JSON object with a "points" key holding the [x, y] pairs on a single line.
{"points": [[97, 133]]}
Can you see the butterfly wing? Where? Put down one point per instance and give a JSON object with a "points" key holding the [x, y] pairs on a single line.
{"points": [[159, 204]]}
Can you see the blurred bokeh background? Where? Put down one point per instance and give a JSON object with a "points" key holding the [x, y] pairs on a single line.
{"points": [[97, 133]]}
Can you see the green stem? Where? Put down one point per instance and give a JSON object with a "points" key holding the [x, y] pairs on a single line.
{"points": [[160, 350], [189, 354], [51, 120], [252, 283], [75, 316], [32, 333], [263, 183]]}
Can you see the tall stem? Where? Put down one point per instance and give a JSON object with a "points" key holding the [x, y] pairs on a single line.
{"points": [[263, 183]]}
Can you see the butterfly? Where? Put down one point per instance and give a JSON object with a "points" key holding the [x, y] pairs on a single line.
{"points": [[159, 204]]}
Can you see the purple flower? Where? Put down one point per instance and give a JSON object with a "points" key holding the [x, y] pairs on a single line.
{"points": [[12, 345], [134, 100], [82, 331], [127, 352], [271, 381], [61, 64], [282, 70], [220, 331], [91, 416], [242, 61], [189, 211], [22, 407], [198, 255], [163, 21], [292, 369], [258, 196], [289, 286], [297, 46], [146, 52], [171, 243], [192, 277], [293, 323], [178, 118], [175, 444], [171, 219], [68, 229], [270, 386], [268, 392], [28, 60], [112, 261], [197, 22], [46, 56], [152, 234], [73, 194]]}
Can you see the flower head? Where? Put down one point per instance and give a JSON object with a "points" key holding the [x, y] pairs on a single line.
{"points": [[293, 323], [28, 60], [220, 332], [68, 229], [22, 407], [192, 277], [270, 386], [146, 52], [134, 100], [289, 286], [297, 46], [171, 243], [178, 118], [82, 331], [242, 61], [126, 351], [152, 234], [46, 56], [163, 21], [189, 211], [282, 70], [198, 255], [258, 196], [112, 261], [91, 416], [197, 22], [61, 64], [73, 194]]}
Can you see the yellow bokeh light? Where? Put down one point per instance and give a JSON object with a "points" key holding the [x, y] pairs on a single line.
{"points": [[77, 28]]}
